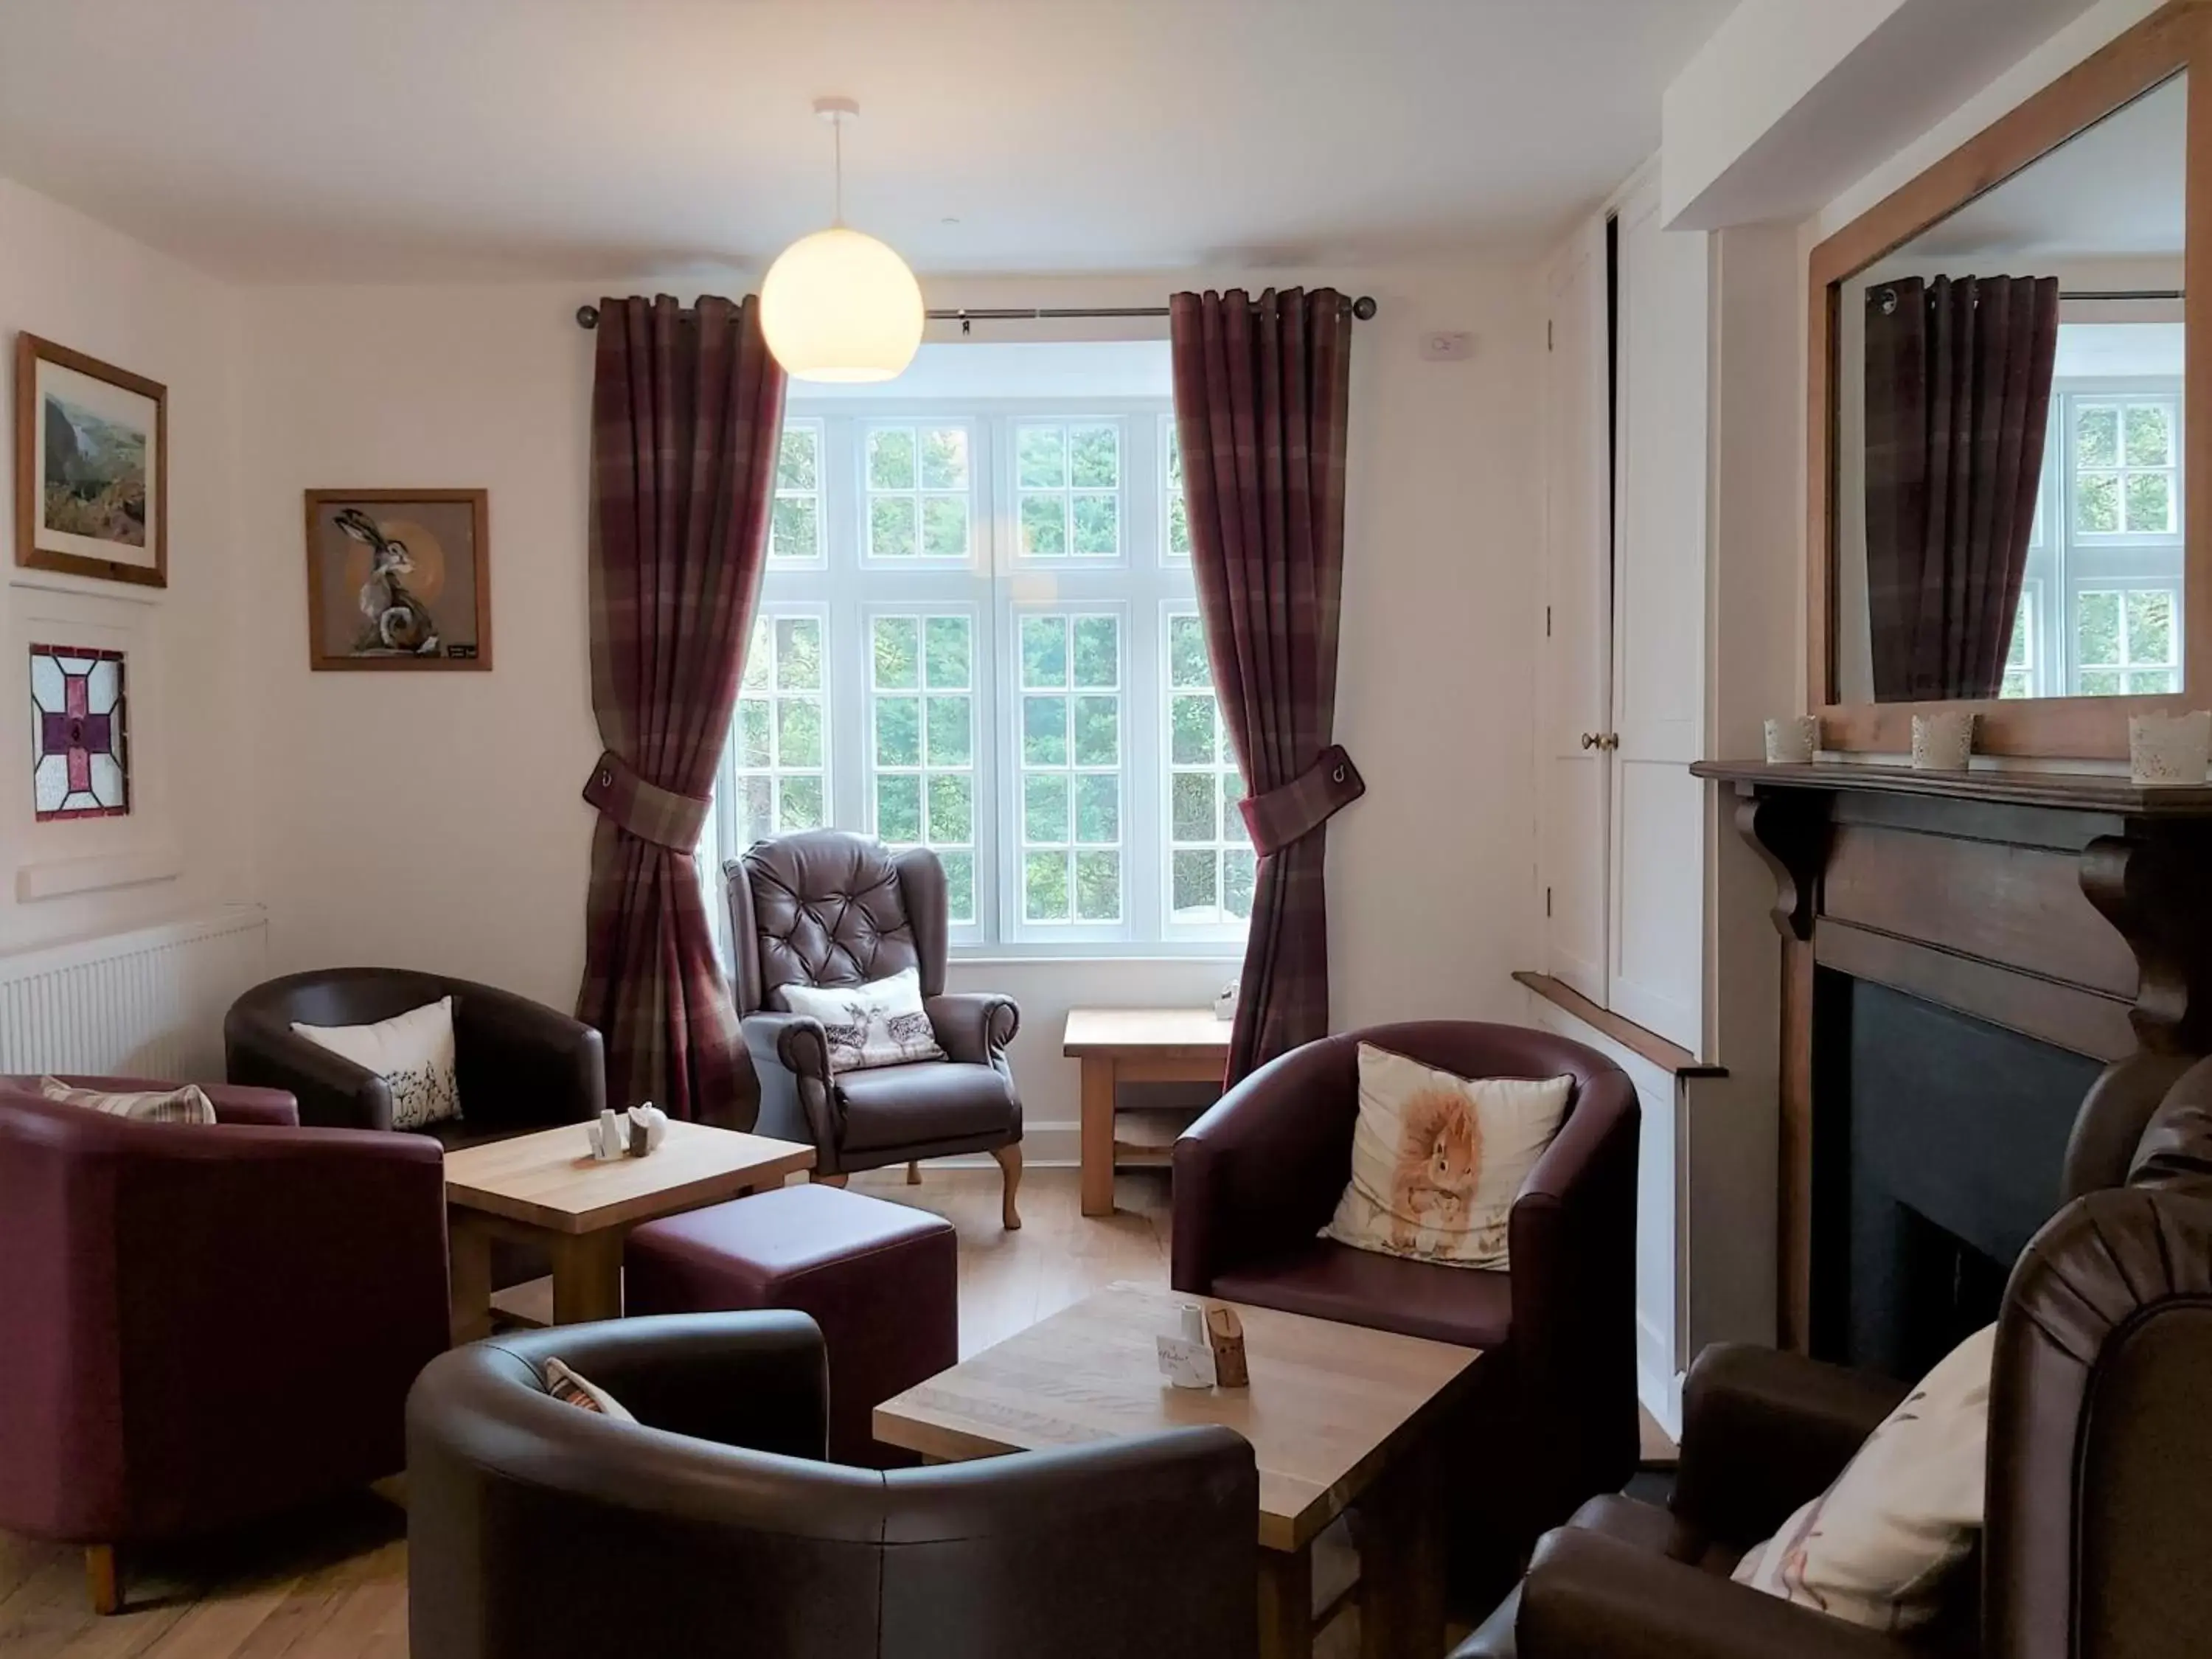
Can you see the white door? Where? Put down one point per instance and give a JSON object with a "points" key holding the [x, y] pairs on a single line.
{"points": [[1577, 602], [1655, 972]]}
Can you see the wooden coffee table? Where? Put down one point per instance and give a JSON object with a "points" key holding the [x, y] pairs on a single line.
{"points": [[546, 1189], [1335, 1413], [1135, 1045]]}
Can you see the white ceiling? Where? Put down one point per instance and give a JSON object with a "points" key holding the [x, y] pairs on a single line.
{"points": [[418, 140], [2115, 191]]}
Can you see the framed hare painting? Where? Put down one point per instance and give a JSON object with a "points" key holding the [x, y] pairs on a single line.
{"points": [[398, 579]]}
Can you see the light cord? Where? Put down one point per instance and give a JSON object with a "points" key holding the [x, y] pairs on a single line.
{"points": [[837, 136]]}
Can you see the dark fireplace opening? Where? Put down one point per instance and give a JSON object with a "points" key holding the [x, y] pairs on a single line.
{"points": [[1938, 1146]]}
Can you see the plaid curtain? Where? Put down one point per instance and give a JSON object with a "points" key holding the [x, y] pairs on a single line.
{"points": [[1958, 402], [687, 407], [1261, 396]]}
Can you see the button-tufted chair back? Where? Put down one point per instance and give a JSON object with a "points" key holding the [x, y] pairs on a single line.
{"points": [[828, 908]]}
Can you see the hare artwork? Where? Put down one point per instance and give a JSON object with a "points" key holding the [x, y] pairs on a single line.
{"points": [[1439, 1162], [398, 623]]}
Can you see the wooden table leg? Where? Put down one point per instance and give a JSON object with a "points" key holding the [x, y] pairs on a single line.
{"points": [[468, 1247], [1286, 1605], [1400, 1527], [103, 1581], [1097, 1135], [587, 1276]]}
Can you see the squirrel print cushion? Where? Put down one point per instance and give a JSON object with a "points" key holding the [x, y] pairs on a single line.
{"points": [[1437, 1160], [882, 1023]]}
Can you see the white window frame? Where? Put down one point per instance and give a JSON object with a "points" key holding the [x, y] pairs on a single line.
{"points": [[2065, 562], [996, 585]]}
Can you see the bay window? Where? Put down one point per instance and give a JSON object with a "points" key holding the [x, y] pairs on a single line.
{"points": [[978, 633]]}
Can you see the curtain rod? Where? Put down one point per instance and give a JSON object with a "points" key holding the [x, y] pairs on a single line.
{"points": [[1363, 308], [2123, 294]]}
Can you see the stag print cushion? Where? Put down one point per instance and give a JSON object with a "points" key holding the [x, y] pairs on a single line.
{"points": [[187, 1104], [1437, 1159], [1888, 1543], [879, 1024], [571, 1389], [412, 1052]]}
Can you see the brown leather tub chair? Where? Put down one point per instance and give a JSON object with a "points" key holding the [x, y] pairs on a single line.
{"points": [[519, 1065], [536, 1530], [202, 1326], [1552, 1419], [2100, 1503], [828, 909]]}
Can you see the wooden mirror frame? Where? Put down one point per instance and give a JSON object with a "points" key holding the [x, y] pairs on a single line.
{"points": [[2175, 38]]}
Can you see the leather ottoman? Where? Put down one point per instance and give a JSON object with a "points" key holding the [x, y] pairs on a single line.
{"points": [[882, 1281]]}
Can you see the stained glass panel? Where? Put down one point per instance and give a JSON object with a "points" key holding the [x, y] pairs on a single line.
{"points": [[80, 747]]}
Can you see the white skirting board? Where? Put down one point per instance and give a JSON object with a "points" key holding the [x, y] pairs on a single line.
{"points": [[145, 1003]]}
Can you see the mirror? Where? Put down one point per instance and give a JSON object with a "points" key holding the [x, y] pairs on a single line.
{"points": [[2007, 404]]}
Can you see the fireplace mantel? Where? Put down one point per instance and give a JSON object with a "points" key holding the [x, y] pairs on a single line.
{"points": [[2072, 909]]}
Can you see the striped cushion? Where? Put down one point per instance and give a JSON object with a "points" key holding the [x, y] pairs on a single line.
{"points": [[570, 1389], [186, 1104]]}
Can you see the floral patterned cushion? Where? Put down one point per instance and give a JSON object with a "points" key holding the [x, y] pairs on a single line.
{"points": [[412, 1052], [879, 1024]]}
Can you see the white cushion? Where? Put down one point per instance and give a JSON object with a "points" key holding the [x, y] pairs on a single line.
{"points": [[879, 1024], [412, 1052], [1437, 1160], [186, 1104], [1879, 1547]]}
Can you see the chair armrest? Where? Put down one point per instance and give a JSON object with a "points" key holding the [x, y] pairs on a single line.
{"points": [[1573, 1240], [1263, 1170], [758, 1380], [1589, 1597], [520, 1065], [272, 1108], [262, 1051], [1763, 1432], [316, 1272], [790, 1058], [974, 1026]]}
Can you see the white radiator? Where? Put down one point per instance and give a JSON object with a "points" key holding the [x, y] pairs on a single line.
{"points": [[148, 1003]]}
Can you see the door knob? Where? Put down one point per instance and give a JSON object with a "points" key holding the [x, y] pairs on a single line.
{"points": [[1610, 740], [1589, 740]]}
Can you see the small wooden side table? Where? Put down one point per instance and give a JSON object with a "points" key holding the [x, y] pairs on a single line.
{"points": [[547, 1189], [1135, 1045]]}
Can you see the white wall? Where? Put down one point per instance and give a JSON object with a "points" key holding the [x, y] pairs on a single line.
{"points": [[194, 647], [436, 818]]}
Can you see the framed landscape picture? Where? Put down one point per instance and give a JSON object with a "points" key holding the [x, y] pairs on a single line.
{"points": [[92, 455], [398, 579]]}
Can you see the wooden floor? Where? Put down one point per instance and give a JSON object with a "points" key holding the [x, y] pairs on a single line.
{"points": [[333, 1585]]}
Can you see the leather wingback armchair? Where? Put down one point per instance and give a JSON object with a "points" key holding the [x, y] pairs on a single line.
{"points": [[828, 909], [536, 1530], [2100, 1478], [1553, 1417], [201, 1325], [519, 1065]]}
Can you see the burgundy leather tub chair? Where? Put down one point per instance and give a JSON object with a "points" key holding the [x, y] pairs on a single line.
{"points": [[536, 1530], [201, 1325], [1552, 1419], [519, 1065], [2100, 1478], [826, 909]]}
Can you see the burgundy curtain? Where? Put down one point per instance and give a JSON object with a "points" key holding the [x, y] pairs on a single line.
{"points": [[686, 411], [1261, 402], [1957, 397]]}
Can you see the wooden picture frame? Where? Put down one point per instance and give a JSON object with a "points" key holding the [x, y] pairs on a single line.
{"points": [[104, 489], [2176, 38], [433, 608]]}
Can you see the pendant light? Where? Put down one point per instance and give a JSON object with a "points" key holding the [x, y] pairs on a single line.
{"points": [[839, 305]]}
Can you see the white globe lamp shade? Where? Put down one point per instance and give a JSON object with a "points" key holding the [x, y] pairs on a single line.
{"points": [[841, 306]]}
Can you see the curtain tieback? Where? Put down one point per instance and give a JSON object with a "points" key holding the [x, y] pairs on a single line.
{"points": [[645, 810], [1301, 806]]}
